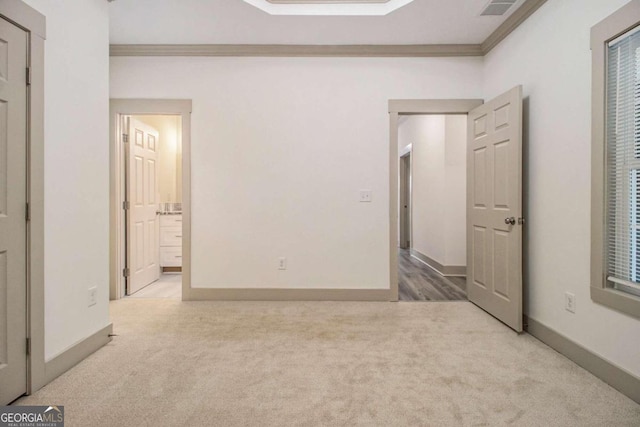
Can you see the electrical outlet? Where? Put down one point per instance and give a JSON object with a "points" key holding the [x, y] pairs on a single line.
{"points": [[93, 296], [570, 302], [365, 196], [282, 263]]}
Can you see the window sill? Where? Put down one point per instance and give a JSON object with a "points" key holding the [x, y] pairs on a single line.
{"points": [[620, 301]]}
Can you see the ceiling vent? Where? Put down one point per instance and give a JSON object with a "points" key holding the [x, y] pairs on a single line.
{"points": [[497, 7]]}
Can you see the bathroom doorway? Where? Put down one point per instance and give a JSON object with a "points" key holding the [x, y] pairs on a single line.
{"points": [[153, 180], [150, 215]]}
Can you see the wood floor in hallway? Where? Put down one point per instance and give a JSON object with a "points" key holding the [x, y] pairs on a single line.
{"points": [[418, 282]]}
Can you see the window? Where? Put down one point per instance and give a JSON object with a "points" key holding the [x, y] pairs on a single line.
{"points": [[622, 151], [615, 213]]}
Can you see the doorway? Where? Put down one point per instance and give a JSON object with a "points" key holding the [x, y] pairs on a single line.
{"points": [[150, 198], [153, 229], [432, 208], [494, 216]]}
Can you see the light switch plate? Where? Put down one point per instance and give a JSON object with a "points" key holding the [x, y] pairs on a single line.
{"points": [[570, 302]]}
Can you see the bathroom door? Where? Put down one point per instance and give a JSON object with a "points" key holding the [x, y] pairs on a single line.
{"points": [[143, 228]]}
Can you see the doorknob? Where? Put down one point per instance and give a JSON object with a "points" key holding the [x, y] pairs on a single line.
{"points": [[510, 221]]}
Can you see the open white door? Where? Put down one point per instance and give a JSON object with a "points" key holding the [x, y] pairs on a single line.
{"points": [[143, 228], [13, 203], [494, 208]]}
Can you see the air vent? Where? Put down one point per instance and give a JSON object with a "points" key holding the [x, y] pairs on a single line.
{"points": [[497, 7]]}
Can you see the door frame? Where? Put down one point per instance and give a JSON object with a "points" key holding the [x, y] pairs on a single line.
{"points": [[117, 216], [403, 107], [34, 23]]}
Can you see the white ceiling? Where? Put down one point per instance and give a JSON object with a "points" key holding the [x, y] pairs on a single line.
{"points": [[237, 22]]}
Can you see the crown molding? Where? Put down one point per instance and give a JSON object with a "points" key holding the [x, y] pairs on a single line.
{"points": [[277, 50], [372, 51], [511, 23]]}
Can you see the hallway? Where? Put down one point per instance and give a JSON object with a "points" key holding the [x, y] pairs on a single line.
{"points": [[418, 282]]}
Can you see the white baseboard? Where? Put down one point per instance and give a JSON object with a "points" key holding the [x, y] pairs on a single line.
{"points": [[443, 270], [620, 379], [76, 353], [257, 294]]}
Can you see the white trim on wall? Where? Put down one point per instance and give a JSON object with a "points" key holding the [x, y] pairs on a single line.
{"points": [[292, 50]]}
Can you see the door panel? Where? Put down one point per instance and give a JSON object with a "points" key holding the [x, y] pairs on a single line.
{"points": [[144, 249], [479, 250], [13, 199], [479, 170], [494, 279]]}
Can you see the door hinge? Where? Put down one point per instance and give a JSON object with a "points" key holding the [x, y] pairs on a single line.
{"points": [[126, 272], [125, 137], [27, 212], [28, 75], [126, 205], [28, 346]]}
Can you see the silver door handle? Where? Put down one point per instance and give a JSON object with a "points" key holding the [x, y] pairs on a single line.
{"points": [[510, 221]]}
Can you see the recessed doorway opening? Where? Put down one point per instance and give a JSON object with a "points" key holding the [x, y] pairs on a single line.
{"points": [[150, 198], [432, 207], [153, 229], [494, 216]]}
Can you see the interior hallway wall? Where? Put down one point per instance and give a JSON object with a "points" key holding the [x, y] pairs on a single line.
{"points": [[281, 148], [455, 207], [76, 169], [438, 185], [550, 56]]}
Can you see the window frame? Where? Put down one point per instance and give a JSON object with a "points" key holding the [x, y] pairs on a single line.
{"points": [[620, 22]]}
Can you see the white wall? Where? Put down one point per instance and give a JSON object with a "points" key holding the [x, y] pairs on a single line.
{"points": [[76, 169], [281, 148], [438, 185], [426, 134], [455, 205], [550, 55], [169, 149]]}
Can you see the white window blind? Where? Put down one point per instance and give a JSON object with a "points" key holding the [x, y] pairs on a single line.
{"points": [[623, 163]]}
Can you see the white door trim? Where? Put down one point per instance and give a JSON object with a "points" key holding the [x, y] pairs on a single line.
{"points": [[122, 107], [411, 107]]}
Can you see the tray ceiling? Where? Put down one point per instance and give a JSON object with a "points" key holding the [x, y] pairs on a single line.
{"points": [[238, 22], [328, 7]]}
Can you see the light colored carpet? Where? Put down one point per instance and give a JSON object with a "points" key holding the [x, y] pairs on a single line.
{"points": [[334, 364], [169, 285]]}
